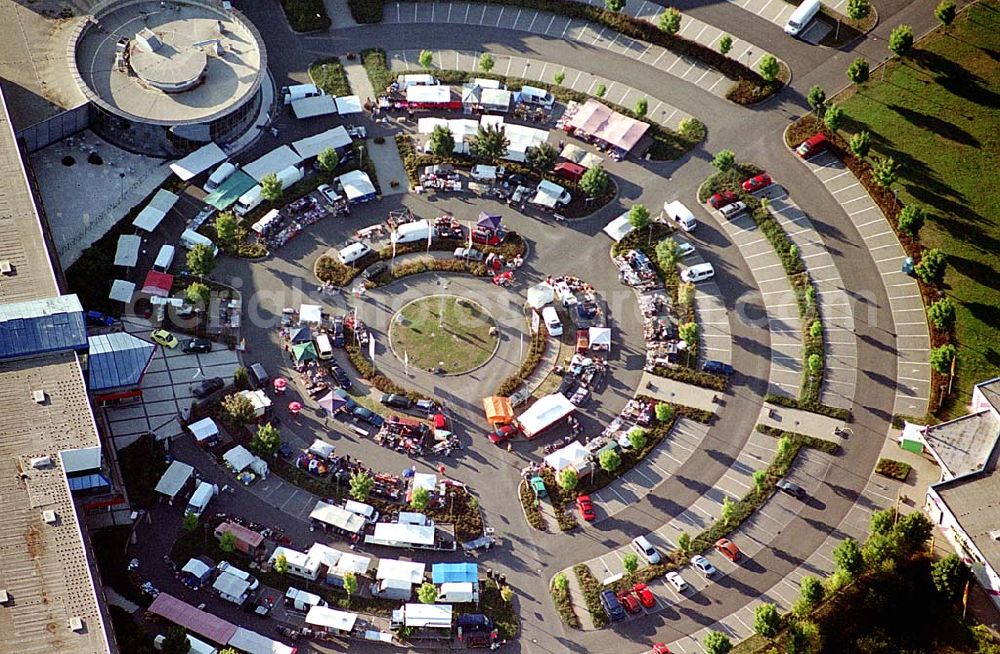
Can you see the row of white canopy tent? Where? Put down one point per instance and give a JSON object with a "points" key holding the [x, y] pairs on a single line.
{"points": [[331, 619], [521, 137], [127, 253], [153, 213], [324, 105], [122, 290], [409, 571], [334, 138], [337, 517], [274, 161], [198, 161]]}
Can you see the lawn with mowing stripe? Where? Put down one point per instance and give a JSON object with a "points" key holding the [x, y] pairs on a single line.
{"points": [[937, 113]]}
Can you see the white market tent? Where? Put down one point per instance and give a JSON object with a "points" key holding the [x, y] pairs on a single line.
{"points": [[415, 79], [204, 429], [321, 448], [317, 105], [196, 567], [128, 250], [337, 517], [568, 456], [354, 563], [253, 643], [238, 458], [521, 139], [174, 478], [424, 480], [198, 161], [409, 571], [491, 121], [348, 104], [311, 146], [492, 99], [428, 94], [274, 161], [357, 185], [153, 213], [548, 194], [122, 291], [618, 228], [321, 616], [397, 533], [325, 554], [463, 128], [229, 584], [544, 413], [600, 337], [427, 125], [576, 154], [310, 313], [539, 295]]}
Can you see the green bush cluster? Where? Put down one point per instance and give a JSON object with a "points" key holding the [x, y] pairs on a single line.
{"points": [[366, 11], [563, 601], [893, 469], [306, 15], [329, 75], [528, 503], [591, 588]]}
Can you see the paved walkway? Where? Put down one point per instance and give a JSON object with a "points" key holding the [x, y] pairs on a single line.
{"points": [[388, 164], [905, 302], [670, 390]]}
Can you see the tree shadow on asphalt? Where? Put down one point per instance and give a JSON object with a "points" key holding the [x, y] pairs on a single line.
{"points": [[881, 379]]}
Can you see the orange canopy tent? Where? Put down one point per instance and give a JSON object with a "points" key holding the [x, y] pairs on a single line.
{"points": [[498, 410]]}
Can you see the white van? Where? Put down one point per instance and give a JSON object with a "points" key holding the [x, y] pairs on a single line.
{"points": [[298, 91], [219, 175], [676, 211], [164, 258], [416, 79], [458, 592], [324, 349], [226, 566], [366, 511], [536, 96], [195, 646], [191, 238], [248, 201], [646, 550], [200, 498], [352, 253], [698, 272], [552, 322], [413, 518], [413, 232], [804, 13], [289, 176], [301, 600]]}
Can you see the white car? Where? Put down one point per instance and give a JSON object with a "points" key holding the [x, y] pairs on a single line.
{"points": [[677, 581], [684, 248], [327, 192], [703, 565], [698, 272]]}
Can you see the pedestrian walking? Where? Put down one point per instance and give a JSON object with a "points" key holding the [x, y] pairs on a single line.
{"points": [[441, 469], [510, 446]]}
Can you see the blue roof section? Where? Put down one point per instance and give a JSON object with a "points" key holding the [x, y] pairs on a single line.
{"points": [[88, 482], [117, 360], [443, 573], [41, 326]]}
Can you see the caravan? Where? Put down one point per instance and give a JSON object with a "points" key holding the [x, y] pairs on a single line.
{"points": [[202, 495], [536, 96], [248, 201], [295, 92], [164, 258], [191, 238], [804, 13], [352, 253]]}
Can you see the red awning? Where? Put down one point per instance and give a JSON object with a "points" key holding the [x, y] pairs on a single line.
{"points": [[570, 170], [158, 283], [439, 421]]}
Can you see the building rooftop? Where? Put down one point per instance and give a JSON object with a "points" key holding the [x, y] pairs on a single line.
{"points": [[962, 446], [975, 502], [991, 392]]}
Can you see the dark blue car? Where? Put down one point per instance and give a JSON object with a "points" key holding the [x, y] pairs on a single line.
{"points": [[718, 368], [611, 605]]}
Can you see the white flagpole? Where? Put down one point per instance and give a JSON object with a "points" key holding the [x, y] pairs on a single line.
{"points": [[430, 233], [406, 363], [470, 234], [520, 356]]}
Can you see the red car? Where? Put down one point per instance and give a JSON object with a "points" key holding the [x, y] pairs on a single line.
{"points": [[502, 434], [722, 199], [629, 602], [728, 549], [660, 648], [645, 595], [586, 507], [755, 184]]}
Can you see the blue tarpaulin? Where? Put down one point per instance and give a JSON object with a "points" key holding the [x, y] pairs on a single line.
{"points": [[88, 482], [443, 573], [40, 326], [117, 360]]}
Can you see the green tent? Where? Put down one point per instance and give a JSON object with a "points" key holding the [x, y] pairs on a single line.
{"points": [[304, 352], [230, 190]]}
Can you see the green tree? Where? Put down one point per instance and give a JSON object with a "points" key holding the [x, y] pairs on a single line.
{"points": [[901, 40], [717, 642], [759, 478], [610, 460], [858, 9], [541, 157], [816, 329], [568, 479], [637, 438], [270, 187], [506, 594], [426, 59], [266, 441], [810, 594], [784, 446], [815, 363], [847, 556], [490, 142], [725, 44], [486, 62], [227, 543], [361, 484], [641, 107], [884, 171], [201, 260], [281, 564], [949, 576], [728, 510], [630, 561], [911, 219], [638, 216], [861, 144], [664, 412], [834, 117], [931, 267], [190, 521], [427, 593], [176, 641], [225, 227], [614, 5], [942, 314], [858, 71], [811, 295], [350, 581], [559, 77], [724, 160], [803, 637], [945, 12], [913, 530], [237, 409], [941, 358], [198, 294], [684, 543], [878, 549], [328, 160], [420, 498], [595, 181], [670, 21], [766, 620], [816, 98], [228, 650], [600, 90], [769, 67], [241, 378], [560, 582], [667, 253], [442, 141], [692, 129], [689, 332], [881, 522]]}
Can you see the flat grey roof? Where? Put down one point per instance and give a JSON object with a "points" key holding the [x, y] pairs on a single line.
{"points": [[991, 391], [975, 502], [963, 445]]}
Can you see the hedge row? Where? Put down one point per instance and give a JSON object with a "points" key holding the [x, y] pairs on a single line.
{"points": [[306, 15], [560, 499], [591, 589], [367, 371], [893, 469], [821, 409], [564, 605], [689, 376], [812, 442], [536, 350], [530, 505], [329, 75]]}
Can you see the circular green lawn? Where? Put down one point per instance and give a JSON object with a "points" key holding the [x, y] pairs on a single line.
{"points": [[459, 340]]}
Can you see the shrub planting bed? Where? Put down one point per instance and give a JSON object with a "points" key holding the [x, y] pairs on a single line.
{"points": [[893, 469], [591, 589], [530, 506], [560, 499], [329, 75], [306, 15], [564, 605]]}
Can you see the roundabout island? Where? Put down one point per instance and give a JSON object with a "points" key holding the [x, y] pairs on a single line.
{"points": [[445, 334]]}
